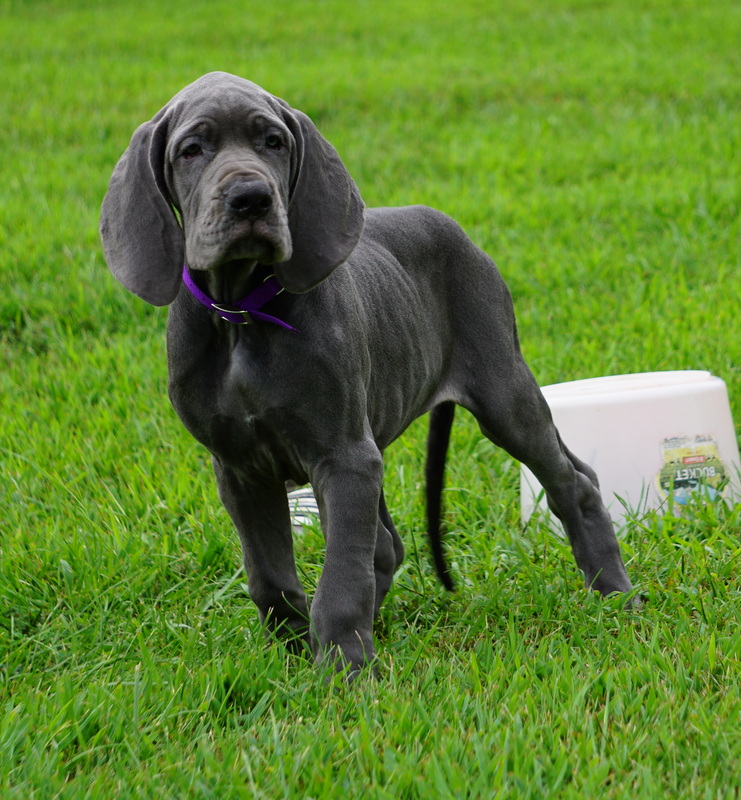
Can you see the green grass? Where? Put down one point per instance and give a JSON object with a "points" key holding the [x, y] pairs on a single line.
{"points": [[594, 150]]}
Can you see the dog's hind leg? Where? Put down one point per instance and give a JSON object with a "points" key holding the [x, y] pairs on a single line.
{"points": [[513, 413], [389, 553]]}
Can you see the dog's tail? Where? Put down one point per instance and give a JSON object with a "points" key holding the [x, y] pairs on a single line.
{"points": [[438, 438]]}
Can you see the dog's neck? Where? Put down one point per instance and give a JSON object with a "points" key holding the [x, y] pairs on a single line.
{"points": [[231, 281], [244, 310]]}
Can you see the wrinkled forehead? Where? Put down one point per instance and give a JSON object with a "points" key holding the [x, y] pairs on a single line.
{"points": [[224, 95]]}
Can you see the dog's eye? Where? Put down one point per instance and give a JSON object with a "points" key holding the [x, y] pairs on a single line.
{"points": [[273, 141], [192, 150]]}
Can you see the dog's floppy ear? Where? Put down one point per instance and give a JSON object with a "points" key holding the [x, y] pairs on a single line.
{"points": [[325, 210], [142, 240]]}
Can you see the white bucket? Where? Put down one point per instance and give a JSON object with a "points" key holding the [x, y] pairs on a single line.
{"points": [[647, 436]]}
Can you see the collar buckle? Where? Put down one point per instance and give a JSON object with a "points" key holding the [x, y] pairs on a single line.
{"points": [[229, 312]]}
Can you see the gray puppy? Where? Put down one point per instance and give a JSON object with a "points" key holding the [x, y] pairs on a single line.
{"points": [[387, 313]]}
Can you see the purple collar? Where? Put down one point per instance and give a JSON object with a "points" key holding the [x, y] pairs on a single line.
{"points": [[245, 310]]}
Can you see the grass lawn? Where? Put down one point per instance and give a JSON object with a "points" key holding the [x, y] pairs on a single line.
{"points": [[594, 150]]}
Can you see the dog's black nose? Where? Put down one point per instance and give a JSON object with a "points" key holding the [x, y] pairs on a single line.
{"points": [[249, 199]]}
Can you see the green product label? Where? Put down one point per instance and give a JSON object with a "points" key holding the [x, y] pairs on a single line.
{"points": [[691, 465]]}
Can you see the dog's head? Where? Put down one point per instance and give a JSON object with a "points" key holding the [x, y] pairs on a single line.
{"points": [[227, 172]]}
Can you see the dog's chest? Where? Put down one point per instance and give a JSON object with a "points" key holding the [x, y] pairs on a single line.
{"points": [[226, 398]]}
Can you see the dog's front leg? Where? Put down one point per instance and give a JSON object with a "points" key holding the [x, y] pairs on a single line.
{"points": [[348, 489], [259, 510]]}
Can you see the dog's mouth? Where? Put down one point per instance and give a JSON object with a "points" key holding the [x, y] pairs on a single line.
{"points": [[264, 246], [262, 251], [218, 243]]}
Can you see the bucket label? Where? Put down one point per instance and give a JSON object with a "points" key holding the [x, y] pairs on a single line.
{"points": [[691, 463]]}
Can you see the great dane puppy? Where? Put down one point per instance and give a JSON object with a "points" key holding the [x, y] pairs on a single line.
{"points": [[305, 333]]}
